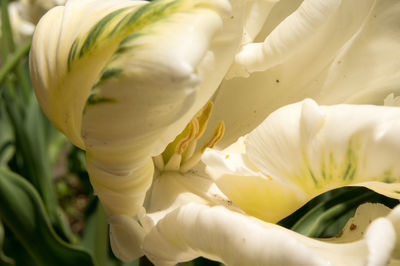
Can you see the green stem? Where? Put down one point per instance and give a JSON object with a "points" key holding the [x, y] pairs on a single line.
{"points": [[7, 36], [13, 60], [8, 46]]}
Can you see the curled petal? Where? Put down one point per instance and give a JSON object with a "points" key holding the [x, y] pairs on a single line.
{"points": [[345, 57], [236, 239], [288, 37], [222, 235], [308, 149], [394, 217], [129, 235]]}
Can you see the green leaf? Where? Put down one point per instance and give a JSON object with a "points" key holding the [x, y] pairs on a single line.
{"points": [[95, 236], [7, 148], [325, 216], [23, 212], [4, 260], [14, 59], [32, 154]]}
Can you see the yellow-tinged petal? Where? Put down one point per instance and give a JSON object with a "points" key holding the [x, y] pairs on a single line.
{"points": [[303, 150], [65, 64]]}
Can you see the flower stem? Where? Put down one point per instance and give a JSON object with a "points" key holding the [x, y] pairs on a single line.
{"points": [[13, 60]]}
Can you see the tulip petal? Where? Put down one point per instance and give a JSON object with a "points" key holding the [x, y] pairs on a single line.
{"points": [[236, 239], [60, 88], [394, 217], [349, 57], [356, 226], [257, 12], [129, 235], [288, 37], [256, 193], [231, 238], [313, 149]]}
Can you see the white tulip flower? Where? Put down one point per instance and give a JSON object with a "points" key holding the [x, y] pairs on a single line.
{"points": [[122, 78], [129, 82]]}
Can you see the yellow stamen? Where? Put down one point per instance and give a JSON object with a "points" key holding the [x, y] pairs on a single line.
{"points": [[190, 162], [184, 143], [203, 119], [216, 137]]}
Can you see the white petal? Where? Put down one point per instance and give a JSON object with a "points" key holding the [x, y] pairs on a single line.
{"points": [[307, 150], [126, 236], [257, 12], [288, 37], [350, 58], [171, 190], [235, 239], [381, 239], [255, 193], [356, 226], [219, 234], [391, 100], [394, 216], [61, 90], [280, 11], [319, 147], [370, 221]]}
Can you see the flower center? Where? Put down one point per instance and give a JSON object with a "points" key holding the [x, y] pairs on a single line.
{"points": [[181, 154]]}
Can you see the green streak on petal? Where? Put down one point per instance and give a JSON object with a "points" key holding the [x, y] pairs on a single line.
{"points": [[110, 73], [124, 45], [72, 53], [313, 176], [107, 74], [125, 24], [130, 38], [309, 172], [96, 32], [323, 170], [351, 162], [332, 170], [397, 191], [388, 177], [147, 14], [332, 165]]}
